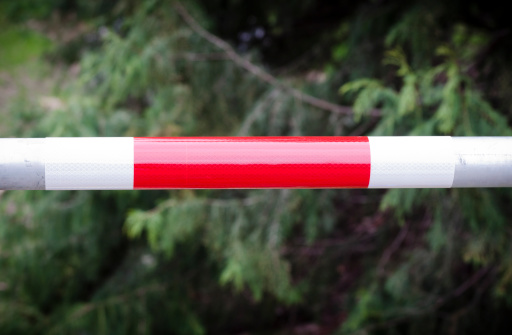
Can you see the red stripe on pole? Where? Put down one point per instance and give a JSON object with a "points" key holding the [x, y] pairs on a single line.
{"points": [[251, 162]]}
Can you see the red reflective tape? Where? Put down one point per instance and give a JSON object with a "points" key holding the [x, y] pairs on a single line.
{"points": [[251, 162]]}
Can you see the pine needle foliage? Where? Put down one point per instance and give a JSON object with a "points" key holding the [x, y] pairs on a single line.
{"points": [[153, 76], [187, 261], [465, 226]]}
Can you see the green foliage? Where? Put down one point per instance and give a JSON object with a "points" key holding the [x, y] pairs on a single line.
{"points": [[241, 233], [188, 261], [441, 100], [464, 225], [156, 79], [22, 10], [20, 45]]}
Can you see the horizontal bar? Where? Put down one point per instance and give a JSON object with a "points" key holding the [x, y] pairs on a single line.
{"points": [[254, 162], [483, 161]]}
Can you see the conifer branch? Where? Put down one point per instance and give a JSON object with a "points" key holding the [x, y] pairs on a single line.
{"points": [[258, 71], [115, 300], [471, 282]]}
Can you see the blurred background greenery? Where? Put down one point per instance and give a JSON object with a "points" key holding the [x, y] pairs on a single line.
{"points": [[246, 261]]}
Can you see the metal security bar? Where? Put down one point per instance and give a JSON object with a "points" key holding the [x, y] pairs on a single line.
{"points": [[254, 162]]}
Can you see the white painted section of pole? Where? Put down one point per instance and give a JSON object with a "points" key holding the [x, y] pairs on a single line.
{"points": [[89, 163], [411, 162]]}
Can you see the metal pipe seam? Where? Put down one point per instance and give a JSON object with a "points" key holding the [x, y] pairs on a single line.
{"points": [[257, 162]]}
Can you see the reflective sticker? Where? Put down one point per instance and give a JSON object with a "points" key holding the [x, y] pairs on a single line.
{"points": [[252, 162], [411, 161], [89, 163]]}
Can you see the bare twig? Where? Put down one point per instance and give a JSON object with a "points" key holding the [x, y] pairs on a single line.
{"points": [[391, 249], [199, 57], [475, 278], [258, 71]]}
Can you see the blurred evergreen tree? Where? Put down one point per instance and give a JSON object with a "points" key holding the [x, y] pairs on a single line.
{"points": [[317, 261]]}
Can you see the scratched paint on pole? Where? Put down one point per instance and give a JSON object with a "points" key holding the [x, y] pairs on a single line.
{"points": [[251, 162]]}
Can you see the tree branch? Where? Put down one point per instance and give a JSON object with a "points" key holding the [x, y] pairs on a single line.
{"points": [[472, 281], [258, 71], [391, 250]]}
